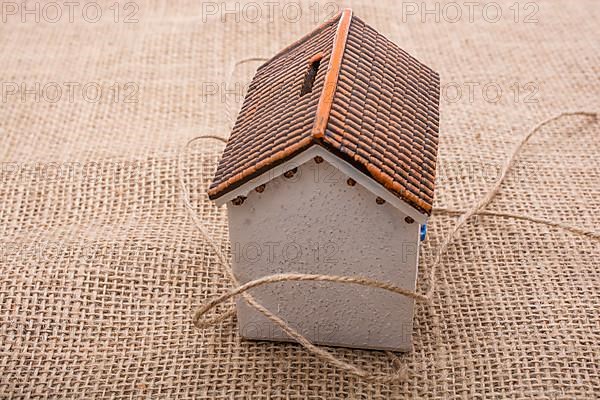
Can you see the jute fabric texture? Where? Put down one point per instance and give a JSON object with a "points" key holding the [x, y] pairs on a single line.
{"points": [[101, 267]]}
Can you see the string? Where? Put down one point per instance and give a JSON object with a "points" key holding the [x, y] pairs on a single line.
{"points": [[317, 351], [523, 217], [492, 192], [464, 217], [228, 113]]}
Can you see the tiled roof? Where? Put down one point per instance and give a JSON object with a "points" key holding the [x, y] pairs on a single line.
{"points": [[371, 104]]}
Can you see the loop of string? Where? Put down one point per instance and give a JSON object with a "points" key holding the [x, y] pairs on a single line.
{"points": [[301, 339], [464, 216]]}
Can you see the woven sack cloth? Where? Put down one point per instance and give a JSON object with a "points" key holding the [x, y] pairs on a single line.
{"points": [[101, 267]]}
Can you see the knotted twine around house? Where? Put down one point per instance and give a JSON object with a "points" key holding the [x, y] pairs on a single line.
{"points": [[464, 216]]}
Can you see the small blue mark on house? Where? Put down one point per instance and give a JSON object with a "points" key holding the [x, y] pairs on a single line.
{"points": [[423, 231]]}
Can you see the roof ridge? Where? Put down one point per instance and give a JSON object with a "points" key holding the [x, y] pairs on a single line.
{"points": [[332, 75]]}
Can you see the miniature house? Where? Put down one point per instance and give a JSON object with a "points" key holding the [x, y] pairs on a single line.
{"points": [[330, 169]]}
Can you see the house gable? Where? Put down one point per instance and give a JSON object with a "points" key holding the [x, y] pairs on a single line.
{"points": [[342, 166]]}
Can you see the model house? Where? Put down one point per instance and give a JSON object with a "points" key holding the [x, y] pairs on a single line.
{"points": [[330, 169]]}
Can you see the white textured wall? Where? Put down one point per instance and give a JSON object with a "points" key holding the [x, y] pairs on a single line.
{"points": [[317, 223]]}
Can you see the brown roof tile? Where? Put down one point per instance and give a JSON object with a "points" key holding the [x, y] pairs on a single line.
{"points": [[371, 104]]}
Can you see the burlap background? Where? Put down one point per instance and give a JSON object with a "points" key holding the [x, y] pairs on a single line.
{"points": [[101, 268]]}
